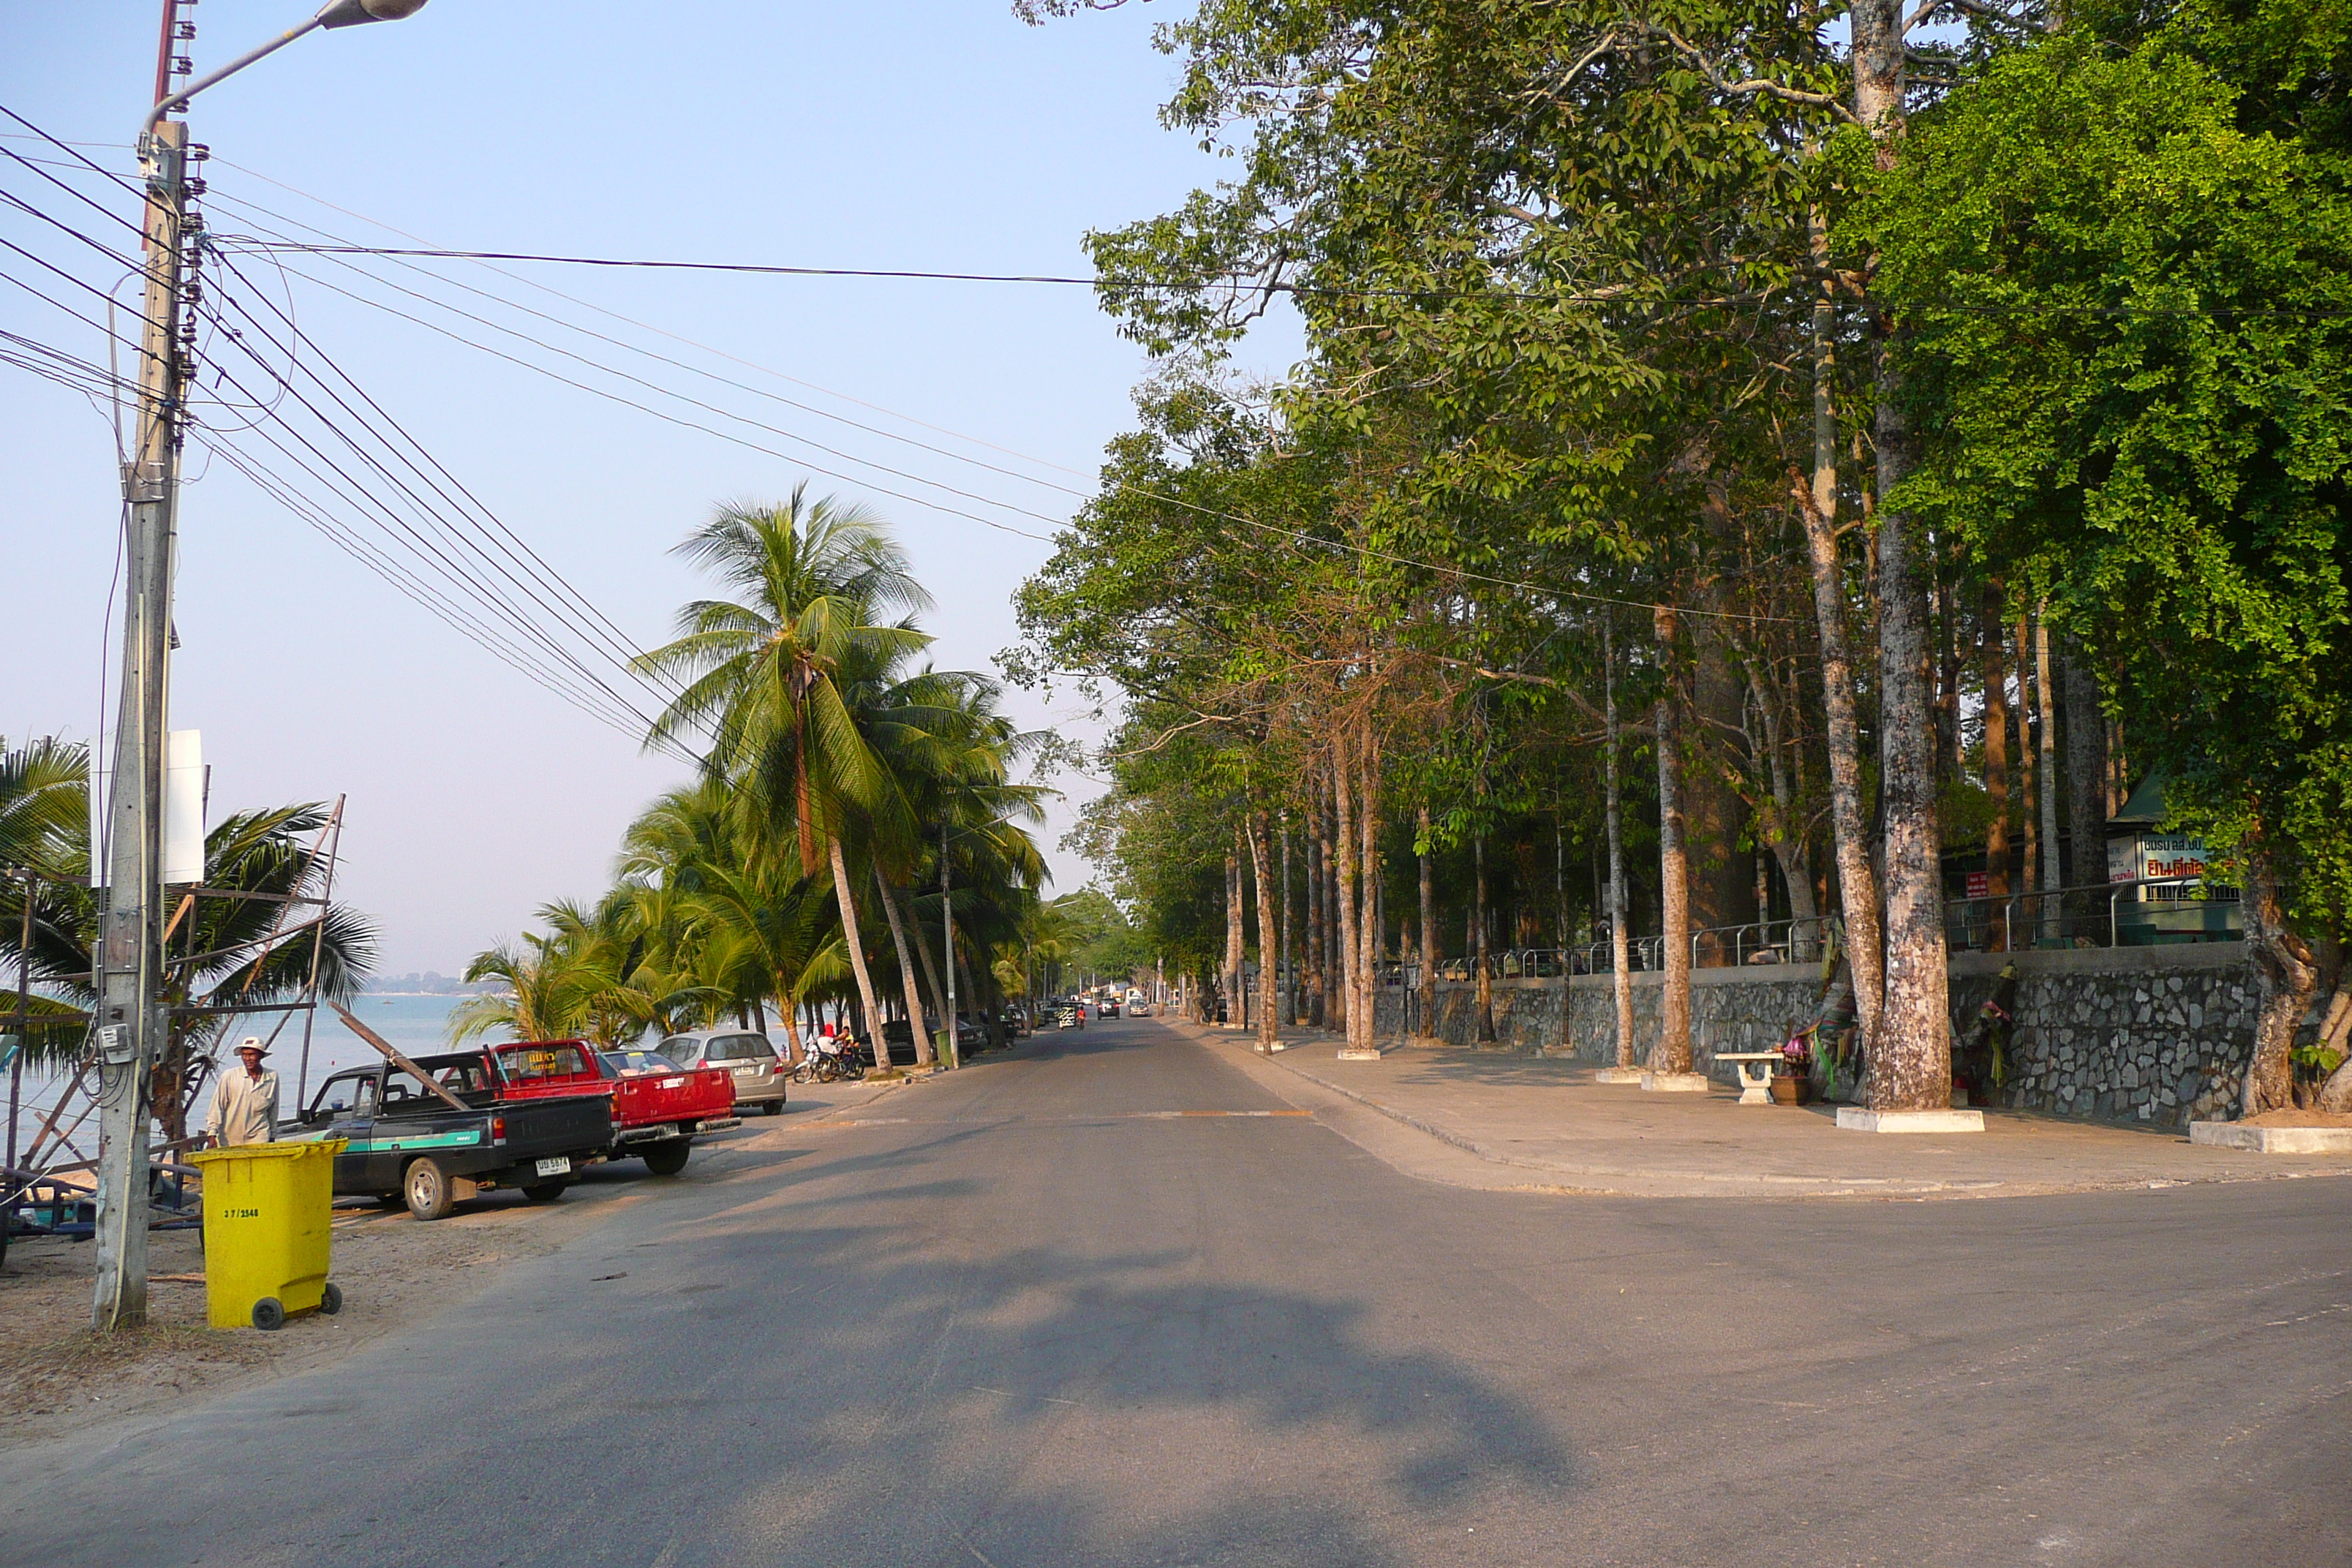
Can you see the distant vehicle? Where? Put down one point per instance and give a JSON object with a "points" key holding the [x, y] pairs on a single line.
{"points": [[657, 1110], [1069, 1016], [1139, 1009], [402, 1143], [898, 1035], [759, 1075], [1107, 1008]]}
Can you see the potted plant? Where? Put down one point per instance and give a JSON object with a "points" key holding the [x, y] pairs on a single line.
{"points": [[1793, 1078]]}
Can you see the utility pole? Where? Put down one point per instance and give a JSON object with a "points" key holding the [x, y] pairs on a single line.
{"points": [[947, 945], [127, 965], [131, 1022]]}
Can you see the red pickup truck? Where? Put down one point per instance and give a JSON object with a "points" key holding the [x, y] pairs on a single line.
{"points": [[657, 1110]]}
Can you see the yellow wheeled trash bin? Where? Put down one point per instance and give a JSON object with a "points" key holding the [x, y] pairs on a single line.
{"points": [[267, 1210]]}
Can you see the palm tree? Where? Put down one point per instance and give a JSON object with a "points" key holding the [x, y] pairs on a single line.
{"points": [[224, 956], [43, 835], [817, 584]]}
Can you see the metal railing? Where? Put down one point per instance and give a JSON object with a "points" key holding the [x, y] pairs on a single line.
{"points": [[1799, 939], [2096, 914]]}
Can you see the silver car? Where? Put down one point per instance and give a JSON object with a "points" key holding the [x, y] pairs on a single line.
{"points": [[760, 1074]]}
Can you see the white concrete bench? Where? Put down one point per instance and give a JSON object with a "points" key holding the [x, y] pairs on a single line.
{"points": [[1755, 1074]]}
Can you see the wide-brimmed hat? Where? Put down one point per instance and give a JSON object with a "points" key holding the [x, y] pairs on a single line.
{"points": [[253, 1042]]}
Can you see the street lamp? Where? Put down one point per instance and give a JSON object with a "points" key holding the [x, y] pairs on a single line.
{"points": [[132, 1024]]}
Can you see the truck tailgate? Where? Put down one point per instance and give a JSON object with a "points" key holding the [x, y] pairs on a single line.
{"points": [[570, 1125]]}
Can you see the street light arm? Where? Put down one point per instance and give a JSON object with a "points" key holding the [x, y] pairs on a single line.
{"points": [[335, 14]]}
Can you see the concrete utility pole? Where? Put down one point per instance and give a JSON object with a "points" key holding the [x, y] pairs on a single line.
{"points": [[132, 1023], [947, 945]]}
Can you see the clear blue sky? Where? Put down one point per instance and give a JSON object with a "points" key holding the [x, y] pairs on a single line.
{"points": [[935, 137]]}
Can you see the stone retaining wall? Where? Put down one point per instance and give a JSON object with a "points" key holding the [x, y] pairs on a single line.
{"points": [[2152, 1035]]}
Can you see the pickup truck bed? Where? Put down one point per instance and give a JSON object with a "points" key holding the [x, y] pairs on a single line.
{"points": [[656, 1114], [404, 1141]]}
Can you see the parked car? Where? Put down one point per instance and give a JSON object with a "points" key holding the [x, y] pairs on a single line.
{"points": [[657, 1110], [760, 1074], [899, 1039], [403, 1142]]}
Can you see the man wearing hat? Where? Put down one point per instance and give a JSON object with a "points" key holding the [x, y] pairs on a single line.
{"points": [[244, 1106]]}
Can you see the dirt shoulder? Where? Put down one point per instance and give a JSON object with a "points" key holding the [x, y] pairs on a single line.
{"points": [[57, 1377]]}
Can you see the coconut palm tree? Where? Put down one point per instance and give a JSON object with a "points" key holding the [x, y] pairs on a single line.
{"points": [[224, 956], [817, 585]]}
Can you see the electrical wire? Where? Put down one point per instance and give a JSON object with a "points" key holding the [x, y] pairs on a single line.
{"points": [[1296, 536], [518, 554]]}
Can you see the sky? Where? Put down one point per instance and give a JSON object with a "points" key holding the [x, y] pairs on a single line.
{"points": [[938, 137]]}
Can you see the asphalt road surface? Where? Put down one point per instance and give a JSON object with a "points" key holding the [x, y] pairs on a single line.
{"points": [[1026, 1316]]}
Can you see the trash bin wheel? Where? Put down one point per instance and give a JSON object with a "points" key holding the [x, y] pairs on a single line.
{"points": [[330, 1300], [267, 1314], [545, 1191], [426, 1187]]}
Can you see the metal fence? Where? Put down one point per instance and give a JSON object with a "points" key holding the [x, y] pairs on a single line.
{"points": [[2099, 914]]}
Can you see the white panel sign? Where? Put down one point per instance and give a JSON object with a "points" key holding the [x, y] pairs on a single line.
{"points": [[184, 807]]}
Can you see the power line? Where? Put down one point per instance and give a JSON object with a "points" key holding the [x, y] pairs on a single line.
{"points": [[508, 541], [534, 284], [1295, 535]]}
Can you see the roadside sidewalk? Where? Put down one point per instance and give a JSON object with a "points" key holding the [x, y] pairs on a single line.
{"points": [[1534, 1123]]}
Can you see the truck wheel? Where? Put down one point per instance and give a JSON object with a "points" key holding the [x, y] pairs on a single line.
{"points": [[426, 1187], [268, 1313], [667, 1158], [545, 1191]]}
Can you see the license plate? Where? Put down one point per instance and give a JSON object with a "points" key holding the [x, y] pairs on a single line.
{"points": [[558, 1166]]}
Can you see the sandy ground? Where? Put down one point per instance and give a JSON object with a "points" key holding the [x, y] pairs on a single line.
{"points": [[56, 1377]]}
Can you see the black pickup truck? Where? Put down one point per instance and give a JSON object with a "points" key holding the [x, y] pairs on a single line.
{"points": [[407, 1142]]}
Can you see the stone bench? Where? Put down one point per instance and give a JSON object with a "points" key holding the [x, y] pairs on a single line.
{"points": [[1755, 1073]]}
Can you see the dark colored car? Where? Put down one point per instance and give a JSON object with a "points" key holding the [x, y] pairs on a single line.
{"points": [[402, 1140]]}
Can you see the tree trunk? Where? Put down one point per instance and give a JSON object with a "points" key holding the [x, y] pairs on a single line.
{"points": [[1620, 949], [2029, 795], [1231, 981], [1343, 792], [1364, 1016], [1849, 813], [2086, 772], [848, 907], [2045, 788], [1485, 967], [789, 1009], [1996, 765], [923, 952], [1268, 944], [1335, 927], [1289, 971], [1910, 1057], [1314, 942], [908, 957], [1428, 934], [1672, 1053], [2287, 978]]}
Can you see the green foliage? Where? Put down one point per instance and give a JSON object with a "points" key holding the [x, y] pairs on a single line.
{"points": [[2125, 322]]}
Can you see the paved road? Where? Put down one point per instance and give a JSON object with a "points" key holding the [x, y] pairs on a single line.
{"points": [[1039, 1321]]}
